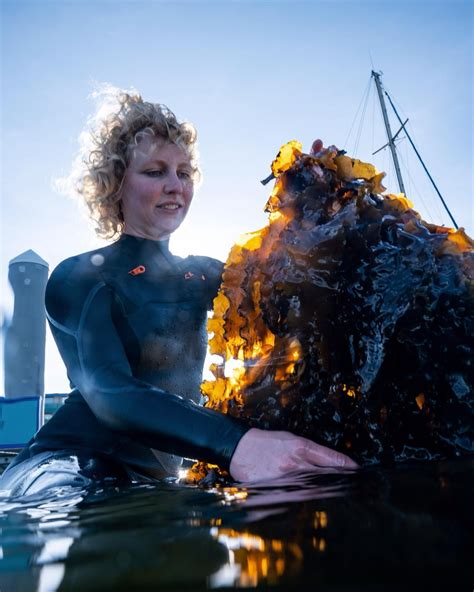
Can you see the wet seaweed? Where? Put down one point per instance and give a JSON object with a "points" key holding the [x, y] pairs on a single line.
{"points": [[347, 319]]}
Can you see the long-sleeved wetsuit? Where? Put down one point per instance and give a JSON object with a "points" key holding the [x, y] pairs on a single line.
{"points": [[130, 324]]}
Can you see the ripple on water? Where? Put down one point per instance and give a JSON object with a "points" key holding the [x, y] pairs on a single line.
{"points": [[350, 531]]}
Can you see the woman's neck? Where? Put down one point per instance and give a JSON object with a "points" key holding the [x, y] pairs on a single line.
{"points": [[131, 232]]}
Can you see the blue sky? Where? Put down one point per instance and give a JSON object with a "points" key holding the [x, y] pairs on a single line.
{"points": [[250, 76]]}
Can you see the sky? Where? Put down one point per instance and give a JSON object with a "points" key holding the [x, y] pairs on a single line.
{"points": [[250, 75]]}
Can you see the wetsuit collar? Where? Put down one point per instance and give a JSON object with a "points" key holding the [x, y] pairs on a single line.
{"points": [[145, 243]]}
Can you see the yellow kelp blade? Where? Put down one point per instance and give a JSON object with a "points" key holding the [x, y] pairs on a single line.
{"points": [[285, 158]]}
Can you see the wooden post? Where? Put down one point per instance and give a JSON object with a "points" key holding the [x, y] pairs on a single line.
{"points": [[26, 336]]}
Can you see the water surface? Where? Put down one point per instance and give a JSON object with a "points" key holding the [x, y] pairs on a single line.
{"points": [[408, 527]]}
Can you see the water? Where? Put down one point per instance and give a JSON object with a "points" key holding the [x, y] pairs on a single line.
{"points": [[410, 527]]}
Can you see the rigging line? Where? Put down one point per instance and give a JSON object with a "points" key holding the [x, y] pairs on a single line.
{"points": [[384, 165], [423, 164], [357, 113], [435, 218], [404, 113], [406, 164], [371, 60], [414, 187], [390, 171], [409, 126], [405, 160], [373, 121], [361, 123]]}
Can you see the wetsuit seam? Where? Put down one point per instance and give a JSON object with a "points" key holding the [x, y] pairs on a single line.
{"points": [[85, 309], [59, 326]]}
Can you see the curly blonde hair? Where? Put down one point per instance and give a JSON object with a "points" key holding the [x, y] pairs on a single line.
{"points": [[119, 124]]}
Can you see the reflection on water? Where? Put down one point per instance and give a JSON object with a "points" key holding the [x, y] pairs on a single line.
{"points": [[253, 559], [374, 529]]}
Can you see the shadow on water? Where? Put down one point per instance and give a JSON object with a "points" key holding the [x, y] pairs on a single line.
{"points": [[409, 527]]}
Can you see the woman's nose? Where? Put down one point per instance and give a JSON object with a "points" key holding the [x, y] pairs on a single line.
{"points": [[173, 183]]}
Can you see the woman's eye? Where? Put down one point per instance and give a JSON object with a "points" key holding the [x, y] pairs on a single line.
{"points": [[154, 173], [186, 175]]}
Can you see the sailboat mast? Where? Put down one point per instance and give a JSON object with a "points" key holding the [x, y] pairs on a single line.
{"points": [[391, 143]]}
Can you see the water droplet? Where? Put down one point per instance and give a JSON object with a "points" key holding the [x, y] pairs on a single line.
{"points": [[97, 259]]}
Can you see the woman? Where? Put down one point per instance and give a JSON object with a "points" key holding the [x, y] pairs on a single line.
{"points": [[129, 320]]}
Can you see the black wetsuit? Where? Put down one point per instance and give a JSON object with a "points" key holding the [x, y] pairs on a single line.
{"points": [[130, 324]]}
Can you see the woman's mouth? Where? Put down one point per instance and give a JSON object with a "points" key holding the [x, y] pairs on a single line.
{"points": [[169, 206]]}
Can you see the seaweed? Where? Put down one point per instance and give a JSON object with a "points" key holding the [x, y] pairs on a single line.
{"points": [[347, 319]]}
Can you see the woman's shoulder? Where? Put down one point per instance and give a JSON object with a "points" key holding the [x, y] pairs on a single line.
{"points": [[210, 270], [85, 266], [208, 267], [209, 264], [75, 278]]}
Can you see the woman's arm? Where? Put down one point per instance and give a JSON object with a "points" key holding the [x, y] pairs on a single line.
{"points": [[79, 306]]}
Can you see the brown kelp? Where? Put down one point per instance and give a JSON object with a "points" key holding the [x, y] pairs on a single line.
{"points": [[347, 319]]}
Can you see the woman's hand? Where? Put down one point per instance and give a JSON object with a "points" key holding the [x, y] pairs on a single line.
{"points": [[266, 454]]}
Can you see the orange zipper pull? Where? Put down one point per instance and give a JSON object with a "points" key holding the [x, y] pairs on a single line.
{"points": [[137, 270]]}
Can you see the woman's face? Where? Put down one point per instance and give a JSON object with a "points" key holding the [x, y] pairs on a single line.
{"points": [[157, 189]]}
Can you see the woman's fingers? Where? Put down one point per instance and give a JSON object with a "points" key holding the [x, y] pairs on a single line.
{"points": [[263, 454], [325, 457]]}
